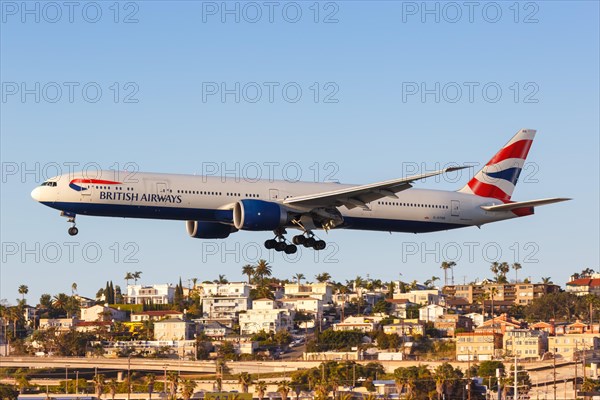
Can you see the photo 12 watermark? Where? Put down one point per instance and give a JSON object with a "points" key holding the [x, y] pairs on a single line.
{"points": [[255, 171], [70, 12], [37, 172], [470, 252], [70, 92], [471, 12], [270, 92], [270, 12], [70, 252], [470, 92], [225, 251]]}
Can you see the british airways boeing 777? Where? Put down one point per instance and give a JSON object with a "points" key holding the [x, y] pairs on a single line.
{"points": [[213, 208]]}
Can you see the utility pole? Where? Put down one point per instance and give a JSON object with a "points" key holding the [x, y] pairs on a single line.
{"points": [[67, 379], [165, 380], [76, 382], [129, 377], [554, 372], [516, 385], [468, 374], [575, 382]]}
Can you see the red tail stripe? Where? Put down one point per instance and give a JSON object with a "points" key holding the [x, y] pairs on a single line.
{"points": [[486, 190], [515, 150]]}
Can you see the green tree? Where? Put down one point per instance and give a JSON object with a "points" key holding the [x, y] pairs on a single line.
{"points": [[23, 290], [128, 277], [262, 270], [283, 389], [98, 381], [245, 380], [248, 270], [188, 388], [135, 276], [260, 388], [516, 267], [298, 277], [446, 265], [323, 277]]}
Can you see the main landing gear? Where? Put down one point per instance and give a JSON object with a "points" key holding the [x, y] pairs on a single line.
{"points": [[71, 219], [308, 240]]}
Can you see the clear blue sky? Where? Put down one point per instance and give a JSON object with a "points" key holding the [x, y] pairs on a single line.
{"points": [[369, 61]]}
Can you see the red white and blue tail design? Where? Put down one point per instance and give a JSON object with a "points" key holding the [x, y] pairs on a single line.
{"points": [[498, 178]]}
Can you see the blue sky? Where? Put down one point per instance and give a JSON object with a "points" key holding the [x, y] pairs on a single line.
{"points": [[156, 65]]}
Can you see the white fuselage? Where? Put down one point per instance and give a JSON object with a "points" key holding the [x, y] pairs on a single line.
{"points": [[211, 199]]}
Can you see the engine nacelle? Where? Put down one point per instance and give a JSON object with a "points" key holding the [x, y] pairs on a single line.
{"points": [[208, 230], [258, 215]]}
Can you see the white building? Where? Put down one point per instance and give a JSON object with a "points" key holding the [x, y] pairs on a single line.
{"points": [[102, 313], [223, 301], [155, 315], [62, 324], [363, 324], [174, 329], [430, 313], [266, 315], [477, 319], [422, 297], [307, 305], [155, 294], [230, 289], [321, 291]]}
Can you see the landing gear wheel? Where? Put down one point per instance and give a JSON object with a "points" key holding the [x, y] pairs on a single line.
{"points": [[280, 246], [270, 244], [309, 242], [73, 231], [290, 249], [299, 239], [319, 245]]}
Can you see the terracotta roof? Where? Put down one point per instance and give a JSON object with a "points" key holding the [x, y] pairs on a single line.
{"points": [[93, 323], [159, 313], [584, 282], [459, 301]]}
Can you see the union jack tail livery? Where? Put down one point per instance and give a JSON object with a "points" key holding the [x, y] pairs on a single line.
{"points": [[498, 178]]}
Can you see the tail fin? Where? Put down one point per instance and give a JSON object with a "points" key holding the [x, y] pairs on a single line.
{"points": [[499, 176]]}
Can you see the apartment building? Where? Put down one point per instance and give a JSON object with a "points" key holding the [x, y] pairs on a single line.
{"points": [[102, 313], [475, 346], [155, 315], [525, 343], [266, 315], [584, 285], [307, 305], [224, 301], [363, 324], [154, 294], [431, 312], [448, 324], [565, 346], [422, 297], [174, 329], [321, 290], [517, 293]]}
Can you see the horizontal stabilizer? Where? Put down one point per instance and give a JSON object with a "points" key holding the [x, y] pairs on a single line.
{"points": [[521, 204]]}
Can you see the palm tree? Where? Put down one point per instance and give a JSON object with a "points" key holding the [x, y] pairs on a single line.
{"points": [[98, 384], [516, 267], [260, 388], [128, 277], [135, 276], [249, 271], [188, 388], [173, 381], [221, 280], [298, 277], [446, 265], [112, 388], [495, 268], [283, 389], [23, 290], [504, 268], [245, 380], [323, 277], [547, 280], [493, 292], [150, 379], [262, 270]]}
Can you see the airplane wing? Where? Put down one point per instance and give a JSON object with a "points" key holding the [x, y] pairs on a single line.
{"points": [[360, 196], [521, 204]]}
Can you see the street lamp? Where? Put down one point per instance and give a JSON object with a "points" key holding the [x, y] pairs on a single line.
{"points": [[67, 378]]}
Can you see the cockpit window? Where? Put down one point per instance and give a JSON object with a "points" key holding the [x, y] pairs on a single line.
{"points": [[53, 184]]}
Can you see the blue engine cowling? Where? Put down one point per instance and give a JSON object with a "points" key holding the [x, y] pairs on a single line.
{"points": [[258, 215], [208, 230]]}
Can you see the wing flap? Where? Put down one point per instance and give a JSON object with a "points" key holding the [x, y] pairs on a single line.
{"points": [[521, 204], [360, 196]]}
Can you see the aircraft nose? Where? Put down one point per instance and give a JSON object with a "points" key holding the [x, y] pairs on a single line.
{"points": [[36, 193]]}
